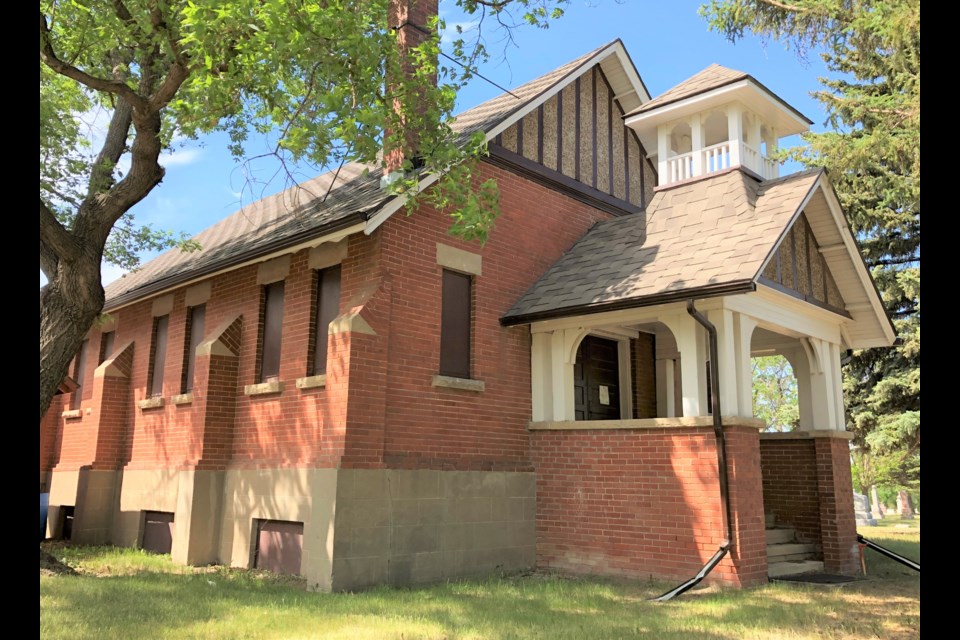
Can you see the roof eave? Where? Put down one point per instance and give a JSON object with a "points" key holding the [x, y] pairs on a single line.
{"points": [[707, 291], [180, 278]]}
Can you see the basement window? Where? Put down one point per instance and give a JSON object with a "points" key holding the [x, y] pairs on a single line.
{"points": [[279, 546], [157, 532]]}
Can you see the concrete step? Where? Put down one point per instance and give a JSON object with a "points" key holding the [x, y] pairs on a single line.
{"points": [[781, 569], [771, 520], [776, 551], [781, 535]]}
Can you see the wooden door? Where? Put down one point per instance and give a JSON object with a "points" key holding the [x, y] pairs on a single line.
{"points": [[596, 380]]}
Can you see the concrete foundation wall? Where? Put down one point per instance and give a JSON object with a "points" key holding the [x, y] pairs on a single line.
{"points": [[142, 490], [298, 495], [416, 526]]}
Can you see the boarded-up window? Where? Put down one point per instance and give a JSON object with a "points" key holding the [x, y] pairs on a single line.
{"points": [[106, 345], [79, 366], [272, 332], [455, 325], [328, 306], [195, 321], [157, 531], [279, 546], [158, 355], [66, 522]]}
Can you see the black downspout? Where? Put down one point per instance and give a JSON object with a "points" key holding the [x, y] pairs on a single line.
{"points": [[721, 459]]}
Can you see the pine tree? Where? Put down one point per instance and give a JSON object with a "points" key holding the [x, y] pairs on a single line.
{"points": [[872, 155]]}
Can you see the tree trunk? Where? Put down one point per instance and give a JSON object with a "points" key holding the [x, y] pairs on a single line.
{"points": [[69, 305]]}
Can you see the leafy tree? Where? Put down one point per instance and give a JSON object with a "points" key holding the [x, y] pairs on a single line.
{"points": [[872, 154], [328, 77], [775, 393]]}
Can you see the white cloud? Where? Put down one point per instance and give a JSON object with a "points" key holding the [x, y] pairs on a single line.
{"points": [[180, 157]]}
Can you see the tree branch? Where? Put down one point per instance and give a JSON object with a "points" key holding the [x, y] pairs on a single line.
{"points": [[101, 173], [786, 7], [49, 57], [55, 240]]}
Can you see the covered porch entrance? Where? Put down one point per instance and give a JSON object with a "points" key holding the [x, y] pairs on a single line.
{"points": [[625, 451]]}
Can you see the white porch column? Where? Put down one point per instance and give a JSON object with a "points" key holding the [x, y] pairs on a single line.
{"points": [[696, 144], [666, 391], [735, 132], [663, 154], [743, 327], [801, 371], [693, 380], [562, 376], [541, 386], [826, 385], [723, 320], [840, 416]]}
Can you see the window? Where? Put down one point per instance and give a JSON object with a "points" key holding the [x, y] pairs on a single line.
{"points": [[79, 366], [328, 306], [192, 339], [455, 325], [158, 356], [106, 346], [272, 332]]}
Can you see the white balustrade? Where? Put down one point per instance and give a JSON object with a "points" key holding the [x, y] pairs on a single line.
{"points": [[718, 157]]}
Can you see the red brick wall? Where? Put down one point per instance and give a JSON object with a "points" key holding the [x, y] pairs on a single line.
{"points": [[837, 519], [448, 428], [790, 485], [807, 484], [49, 441], [646, 502]]}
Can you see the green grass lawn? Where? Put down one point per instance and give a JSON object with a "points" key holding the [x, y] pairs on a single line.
{"points": [[124, 593]]}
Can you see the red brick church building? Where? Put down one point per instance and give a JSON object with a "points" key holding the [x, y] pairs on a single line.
{"points": [[334, 388]]}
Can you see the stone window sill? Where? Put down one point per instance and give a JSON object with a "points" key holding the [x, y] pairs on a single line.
{"points": [[312, 382], [263, 388], [72, 414], [151, 403], [182, 398], [464, 384]]}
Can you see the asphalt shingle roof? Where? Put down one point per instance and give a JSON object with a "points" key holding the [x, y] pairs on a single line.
{"points": [[712, 77], [307, 210], [707, 234]]}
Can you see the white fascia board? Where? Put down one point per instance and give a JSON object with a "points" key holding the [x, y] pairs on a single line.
{"points": [[784, 314], [684, 107], [853, 252]]}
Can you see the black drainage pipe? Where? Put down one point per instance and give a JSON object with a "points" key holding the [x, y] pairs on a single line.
{"points": [[721, 460], [890, 554]]}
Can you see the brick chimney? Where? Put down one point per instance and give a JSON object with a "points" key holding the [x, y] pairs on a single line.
{"points": [[409, 18]]}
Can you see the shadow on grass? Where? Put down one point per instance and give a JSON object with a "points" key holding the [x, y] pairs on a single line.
{"points": [[226, 603]]}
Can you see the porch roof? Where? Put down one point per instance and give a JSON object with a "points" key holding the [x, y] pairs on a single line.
{"points": [[708, 237]]}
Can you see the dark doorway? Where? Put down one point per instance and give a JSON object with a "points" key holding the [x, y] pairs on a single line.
{"points": [[157, 531], [596, 380], [279, 546]]}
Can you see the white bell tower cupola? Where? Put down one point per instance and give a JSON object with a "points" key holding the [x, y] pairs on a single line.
{"points": [[717, 120]]}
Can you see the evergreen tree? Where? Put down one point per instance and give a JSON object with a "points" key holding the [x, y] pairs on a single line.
{"points": [[872, 154]]}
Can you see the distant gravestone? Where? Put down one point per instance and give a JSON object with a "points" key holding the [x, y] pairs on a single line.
{"points": [[861, 509], [875, 503], [904, 505]]}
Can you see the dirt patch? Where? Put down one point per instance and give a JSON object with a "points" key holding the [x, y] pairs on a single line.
{"points": [[50, 566]]}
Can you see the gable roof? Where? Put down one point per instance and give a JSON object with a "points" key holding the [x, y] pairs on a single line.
{"points": [[704, 238], [337, 201]]}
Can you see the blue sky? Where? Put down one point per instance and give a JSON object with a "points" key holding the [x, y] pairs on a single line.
{"points": [[668, 42]]}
